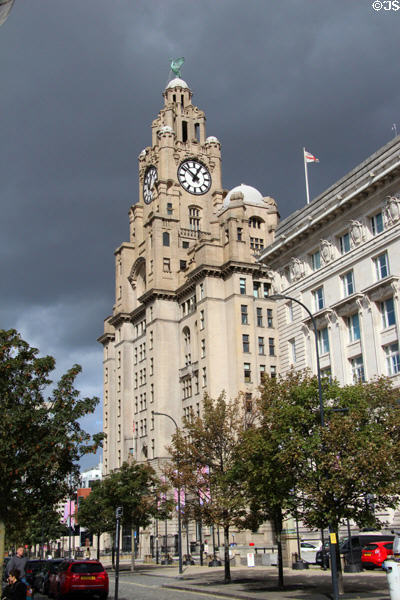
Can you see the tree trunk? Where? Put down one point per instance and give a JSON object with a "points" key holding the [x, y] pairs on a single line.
{"points": [[278, 520], [338, 563], [227, 563], [98, 546], [133, 549], [2, 536]]}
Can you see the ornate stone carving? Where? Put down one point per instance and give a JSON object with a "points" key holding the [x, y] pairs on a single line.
{"points": [[357, 233], [327, 251], [391, 209], [276, 281], [296, 267]]}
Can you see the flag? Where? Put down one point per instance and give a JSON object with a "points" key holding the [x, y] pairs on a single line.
{"points": [[308, 157]]}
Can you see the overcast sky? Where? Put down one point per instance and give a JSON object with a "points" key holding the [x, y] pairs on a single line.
{"points": [[81, 81]]}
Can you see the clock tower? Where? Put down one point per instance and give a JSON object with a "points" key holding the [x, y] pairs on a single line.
{"points": [[191, 312]]}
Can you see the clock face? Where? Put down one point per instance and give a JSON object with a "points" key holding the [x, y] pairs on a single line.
{"points": [[149, 180], [194, 177]]}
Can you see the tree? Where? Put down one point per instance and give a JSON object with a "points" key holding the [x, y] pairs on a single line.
{"points": [[41, 440], [134, 487], [267, 462], [203, 460], [323, 474], [96, 514]]}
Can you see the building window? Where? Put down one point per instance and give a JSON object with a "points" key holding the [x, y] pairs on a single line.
{"points": [[267, 287], [203, 348], [256, 243], [194, 218], [381, 266], [247, 372], [201, 291], [202, 319], [323, 341], [259, 317], [245, 343], [255, 222], [348, 283], [292, 351], [273, 370], [269, 317], [239, 234], [242, 285], [344, 243], [245, 316], [326, 374], [261, 348], [204, 375], [169, 208], [392, 359], [271, 346], [257, 289], [182, 265], [167, 265], [353, 324], [262, 372], [165, 238], [376, 223], [357, 369], [387, 312], [316, 260], [319, 302], [185, 244], [289, 312]]}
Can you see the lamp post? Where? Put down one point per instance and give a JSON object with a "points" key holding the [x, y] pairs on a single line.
{"points": [[179, 499], [332, 534]]}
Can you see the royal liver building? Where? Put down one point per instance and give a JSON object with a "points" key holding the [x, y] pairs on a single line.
{"points": [[191, 313]]}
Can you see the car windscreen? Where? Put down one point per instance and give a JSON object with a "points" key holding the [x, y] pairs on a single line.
{"points": [[87, 568]]}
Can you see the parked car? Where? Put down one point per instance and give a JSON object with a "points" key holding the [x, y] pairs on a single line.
{"points": [[374, 554], [309, 550], [79, 577], [32, 568], [358, 542], [41, 582]]}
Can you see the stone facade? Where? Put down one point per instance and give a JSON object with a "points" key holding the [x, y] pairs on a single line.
{"points": [[340, 257], [191, 312]]}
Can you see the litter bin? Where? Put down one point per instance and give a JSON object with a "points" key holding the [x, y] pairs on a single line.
{"points": [[352, 564], [392, 569]]}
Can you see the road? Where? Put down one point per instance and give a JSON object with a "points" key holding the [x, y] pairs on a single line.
{"points": [[135, 586]]}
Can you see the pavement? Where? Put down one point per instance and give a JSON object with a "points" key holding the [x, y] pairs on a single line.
{"points": [[261, 583]]}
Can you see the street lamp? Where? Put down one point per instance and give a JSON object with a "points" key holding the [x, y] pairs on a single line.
{"points": [[179, 499], [332, 536]]}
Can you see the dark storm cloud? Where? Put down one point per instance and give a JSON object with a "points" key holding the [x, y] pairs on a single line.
{"points": [[81, 83]]}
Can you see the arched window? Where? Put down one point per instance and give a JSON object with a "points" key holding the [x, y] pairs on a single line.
{"points": [[165, 238], [194, 218], [255, 222]]}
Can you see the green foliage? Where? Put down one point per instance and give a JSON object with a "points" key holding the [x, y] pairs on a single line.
{"points": [[41, 440], [292, 464], [135, 487], [203, 464]]}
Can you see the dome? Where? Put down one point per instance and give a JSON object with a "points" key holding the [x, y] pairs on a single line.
{"points": [[212, 138], [177, 83], [247, 193]]}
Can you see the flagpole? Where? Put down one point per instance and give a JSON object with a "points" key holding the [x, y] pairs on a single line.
{"points": [[306, 176]]}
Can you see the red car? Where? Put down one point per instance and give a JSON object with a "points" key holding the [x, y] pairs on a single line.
{"points": [[86, 577], [375, 553]]}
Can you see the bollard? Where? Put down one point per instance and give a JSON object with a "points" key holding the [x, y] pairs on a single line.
{"points": [[392, 569]]}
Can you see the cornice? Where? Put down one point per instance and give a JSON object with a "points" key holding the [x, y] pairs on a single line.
{"points": [[357, 185], [119, 318], [105, 338]]}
